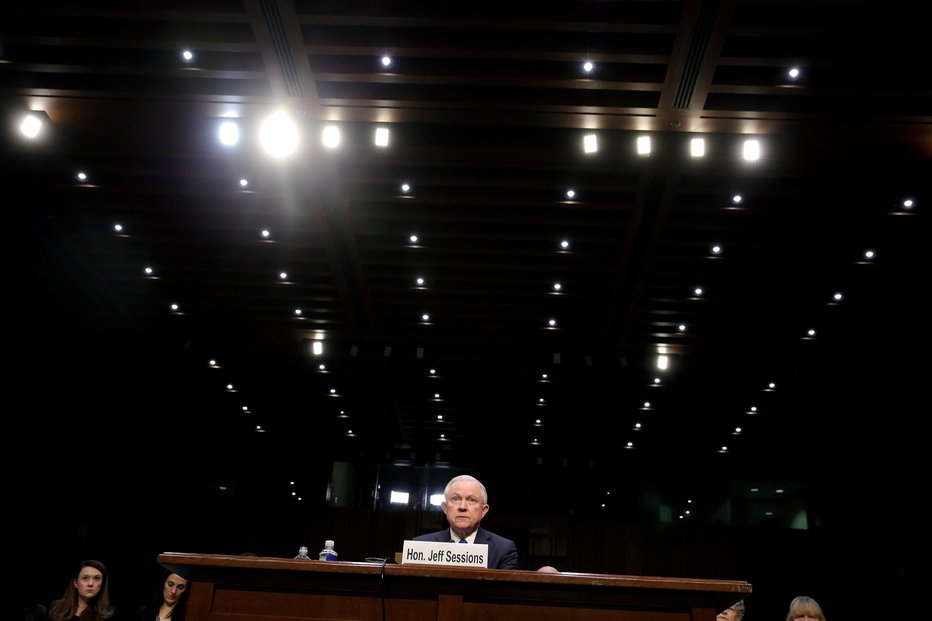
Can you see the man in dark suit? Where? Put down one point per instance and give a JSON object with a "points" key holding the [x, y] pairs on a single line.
{"points": [[466, 503]]}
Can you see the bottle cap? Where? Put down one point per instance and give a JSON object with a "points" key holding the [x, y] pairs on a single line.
{"points": [[328, 543]]}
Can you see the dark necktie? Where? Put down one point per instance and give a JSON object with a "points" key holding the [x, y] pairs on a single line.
{"points": [[463, 541]]}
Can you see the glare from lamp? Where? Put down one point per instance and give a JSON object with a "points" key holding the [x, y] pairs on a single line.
{"points": [[228, 133], [751, 152], [381, 137], [31, 126], [330, 136], [643, 145], [317, 348], [697, 147], [278, 135], [663, 362], [590, 143]]}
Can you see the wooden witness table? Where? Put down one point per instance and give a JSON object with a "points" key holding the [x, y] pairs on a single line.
{"points": [[241, 588]]}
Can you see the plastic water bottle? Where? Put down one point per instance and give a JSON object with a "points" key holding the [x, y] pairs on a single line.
{"points": [[328, 553], [302, 553]]}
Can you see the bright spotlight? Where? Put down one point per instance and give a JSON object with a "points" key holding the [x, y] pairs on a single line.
{"points": [[279, 135], [330, 136], [697, 147], [228, 133], [643, 143], [31, 126], [381, 137]]}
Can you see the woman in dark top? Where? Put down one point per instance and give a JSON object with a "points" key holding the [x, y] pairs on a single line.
{"points": [[171, 604], [86, 597]]}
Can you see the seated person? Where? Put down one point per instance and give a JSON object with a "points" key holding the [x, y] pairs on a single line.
{"points": [[735, 612], [465, 504], [805, 608], [171, 602]]}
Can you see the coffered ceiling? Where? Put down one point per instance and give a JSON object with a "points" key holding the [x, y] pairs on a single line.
{"points": [[514, 350]]}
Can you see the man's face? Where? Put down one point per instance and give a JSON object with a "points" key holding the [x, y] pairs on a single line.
{"points": [[464, 507]]}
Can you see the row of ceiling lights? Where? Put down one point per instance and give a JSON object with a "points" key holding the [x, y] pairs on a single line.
{"points": [[31, 125]]}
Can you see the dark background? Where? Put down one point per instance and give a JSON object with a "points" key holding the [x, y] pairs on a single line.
{"points": [[120, 443]]}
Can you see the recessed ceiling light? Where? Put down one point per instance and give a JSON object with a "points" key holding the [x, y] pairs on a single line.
{"points": [[588, 66], [81, 176], [643, 145], [590, 143], [571, 193], [330, 136], [564, 244], [31, 126], [405, 188], [697, 147], [228, 133], [265, 233], [381, 137], [793, 73], [698, 291], [413, 239], [187, 55], [278, 135], [737, 198], [717, 249], [386, 61], [243, 182], [751, 150]]}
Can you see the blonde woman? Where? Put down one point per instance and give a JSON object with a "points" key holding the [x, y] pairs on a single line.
{"points": [[805, 608]]}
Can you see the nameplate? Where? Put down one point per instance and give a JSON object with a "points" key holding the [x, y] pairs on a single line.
{"points": [[447, 554]]}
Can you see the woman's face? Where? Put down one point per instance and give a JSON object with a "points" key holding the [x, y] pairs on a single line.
{"points": [[88, 583], [173, 589]]}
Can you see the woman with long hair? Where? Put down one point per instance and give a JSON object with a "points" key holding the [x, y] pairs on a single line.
{"points": [[170, 606], [86, 597]]}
